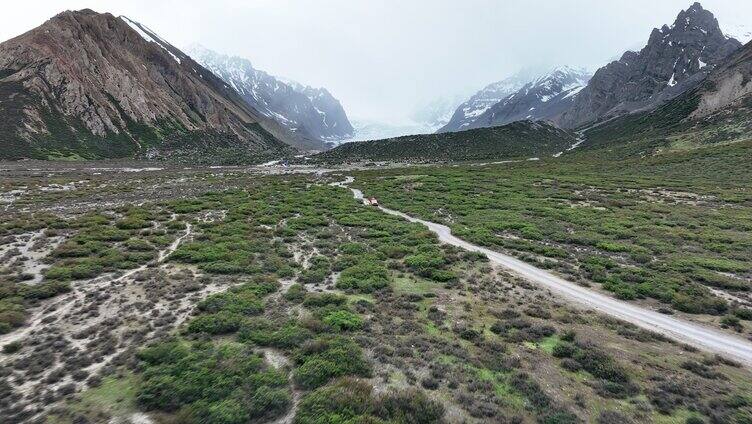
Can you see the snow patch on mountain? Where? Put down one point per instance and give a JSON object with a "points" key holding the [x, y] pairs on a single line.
{"points": [[152, 37], [543, 97], [484, 99], [310, 112]]}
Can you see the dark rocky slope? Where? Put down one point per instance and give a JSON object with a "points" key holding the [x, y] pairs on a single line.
{"points": [[519, 140], [480, 102], [310, 112], [675, 60], [717, 110], [92, 85], [543, 99]]}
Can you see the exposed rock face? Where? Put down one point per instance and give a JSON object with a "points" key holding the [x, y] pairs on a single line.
{"points": [[675, 59], [483, 100], [332, 119], [543, 99], [729, 87], [95, 85], [311, 112]]}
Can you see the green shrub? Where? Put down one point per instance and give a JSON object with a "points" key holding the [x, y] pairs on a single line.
{"points": [[394, 251], [296, 293], [564, 350], [325, 358], [244, 303], [600, 365], [559, 417], [314, 276], [346, 401], [343, 320], [410, 406], [731, 321], [349, 401], [140, 245], [352, 248], [696, 300], [133, 223], [443, 276], [12, 347], [744, 313], [207, 382], [222, 322], [425, 263], [267, 333], [44, 290], [366, 277]]}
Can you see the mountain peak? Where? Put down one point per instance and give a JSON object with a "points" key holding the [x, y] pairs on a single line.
{"points": [[311, 112], [484, 99], [697, 18], [81, 12], [696, 7], [100, 86], [674, 59], [543, 99], [566, 71]]}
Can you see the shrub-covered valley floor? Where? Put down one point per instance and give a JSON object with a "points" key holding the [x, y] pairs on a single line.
{"points": [[223, 296]]}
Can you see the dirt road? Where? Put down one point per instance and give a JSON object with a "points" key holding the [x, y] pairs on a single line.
{"points": [[697, 335]]}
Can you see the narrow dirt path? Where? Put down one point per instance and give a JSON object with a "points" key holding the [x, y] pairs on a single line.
{"points": [[278, 360], [66, 302], [697, 335], [102, 311]]}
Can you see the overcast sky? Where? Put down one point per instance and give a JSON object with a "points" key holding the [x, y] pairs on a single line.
{"points": [[383, 58]]}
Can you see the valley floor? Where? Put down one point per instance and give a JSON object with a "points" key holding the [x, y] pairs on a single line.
{"points": [[295, 303]]}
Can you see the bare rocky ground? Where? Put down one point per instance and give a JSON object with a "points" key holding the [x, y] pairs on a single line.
{"points": [[71, 341]]}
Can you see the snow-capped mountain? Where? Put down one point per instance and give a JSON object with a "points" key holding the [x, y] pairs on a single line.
{"points": [[484, 99], [544, 98], [310, 112], [675, 59]]}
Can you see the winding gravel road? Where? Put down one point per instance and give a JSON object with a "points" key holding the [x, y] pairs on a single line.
{"points": [[697, 335]]}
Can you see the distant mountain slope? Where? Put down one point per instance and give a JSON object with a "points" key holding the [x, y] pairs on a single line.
{"points": [[437, 112], [311, 112], [484, 99], [674, 60], [334, 121], [90, 85], [718, 110], [519, 140], [544, 98]]}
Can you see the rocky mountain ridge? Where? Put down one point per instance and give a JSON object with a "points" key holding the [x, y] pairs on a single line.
{"points": [[484, 99], [311, 112], [91, 85], [543, 99], [675, 59]]}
